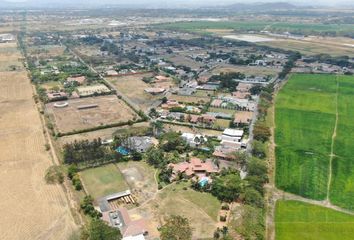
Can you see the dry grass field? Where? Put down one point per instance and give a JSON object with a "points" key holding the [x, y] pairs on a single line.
{"points": [[178, 199], [30, 208], [133, 87], [9, 56], [248, 70], [184, 60], [103, 133], [141, 179], [334, 47], [177, 128], [47, 51], [110, 110]]}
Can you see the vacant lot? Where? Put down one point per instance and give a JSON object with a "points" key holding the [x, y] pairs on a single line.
{"points": [[297, 220], [102, 181], [182, 129], [185, 61], [178, 199], [190, 99], [247, 70], [313, 47], [141, 178], [308, 132], [110, 110], [30, 208], [46, 51], [137, 128], [134, 88]]}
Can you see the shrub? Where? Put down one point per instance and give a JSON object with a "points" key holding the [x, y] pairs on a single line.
{"points": [[54, 175]]}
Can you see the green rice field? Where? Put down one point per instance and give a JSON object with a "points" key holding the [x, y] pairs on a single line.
{"points": [[200, 26], [305, 116], [297, 220]]}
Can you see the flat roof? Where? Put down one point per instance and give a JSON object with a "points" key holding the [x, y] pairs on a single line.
{"points": [[233, 132]]}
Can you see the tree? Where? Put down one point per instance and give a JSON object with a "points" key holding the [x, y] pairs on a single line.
{"points": [[240, 157], [155, 157], [136, 156], [257, 167], [165, 175], [261, 132], [88, 208], [99, 230], [253, 197], [258, 149], [228, 186], [72, 170], [176, 228]]}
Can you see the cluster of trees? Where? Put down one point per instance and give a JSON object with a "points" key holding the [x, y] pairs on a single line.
{"points": [[343, 61], [293, 57], [227, 80], [87, 153], [74, 177], [99, 230], [91, 40], [87, 207]]}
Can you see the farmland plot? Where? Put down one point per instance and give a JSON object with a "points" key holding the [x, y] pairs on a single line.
{"points": [[305, 118], [30, 208], [297, 220], [314, 137]]}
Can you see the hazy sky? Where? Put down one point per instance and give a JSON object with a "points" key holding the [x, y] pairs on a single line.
{"points": [[189, 2]]}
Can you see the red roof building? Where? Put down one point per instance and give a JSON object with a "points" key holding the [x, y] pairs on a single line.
{"points": [[195, 167]]}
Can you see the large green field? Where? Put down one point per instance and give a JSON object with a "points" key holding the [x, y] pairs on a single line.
{"points": [[305, 116], [200, 26], [297, 220], [104, 180]]}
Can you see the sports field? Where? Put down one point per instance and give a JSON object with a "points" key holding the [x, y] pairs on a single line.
{"points": [[297, 220], [314, 144], [102, 181]]}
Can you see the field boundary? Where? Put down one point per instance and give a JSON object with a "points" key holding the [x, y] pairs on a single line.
{"points": [[332, 155]]}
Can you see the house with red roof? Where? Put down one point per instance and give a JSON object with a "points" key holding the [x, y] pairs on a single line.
{"points": [[195, 167]]}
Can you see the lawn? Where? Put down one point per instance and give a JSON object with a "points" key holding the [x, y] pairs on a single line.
{"points": [[305, 115], [297, 220], [104, 180]]}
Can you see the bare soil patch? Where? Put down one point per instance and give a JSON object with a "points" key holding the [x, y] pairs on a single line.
{"points": [[109, 110]]}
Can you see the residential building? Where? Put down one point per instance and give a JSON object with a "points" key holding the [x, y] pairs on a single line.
{"points": [[130, 229], [195, 167], [194, 140]]}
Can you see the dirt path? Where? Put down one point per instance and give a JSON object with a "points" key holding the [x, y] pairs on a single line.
{"points": [[332, 146]]}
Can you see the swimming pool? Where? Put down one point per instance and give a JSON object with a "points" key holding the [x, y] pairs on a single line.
{"points": [[204, 181], [122, 150]]}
